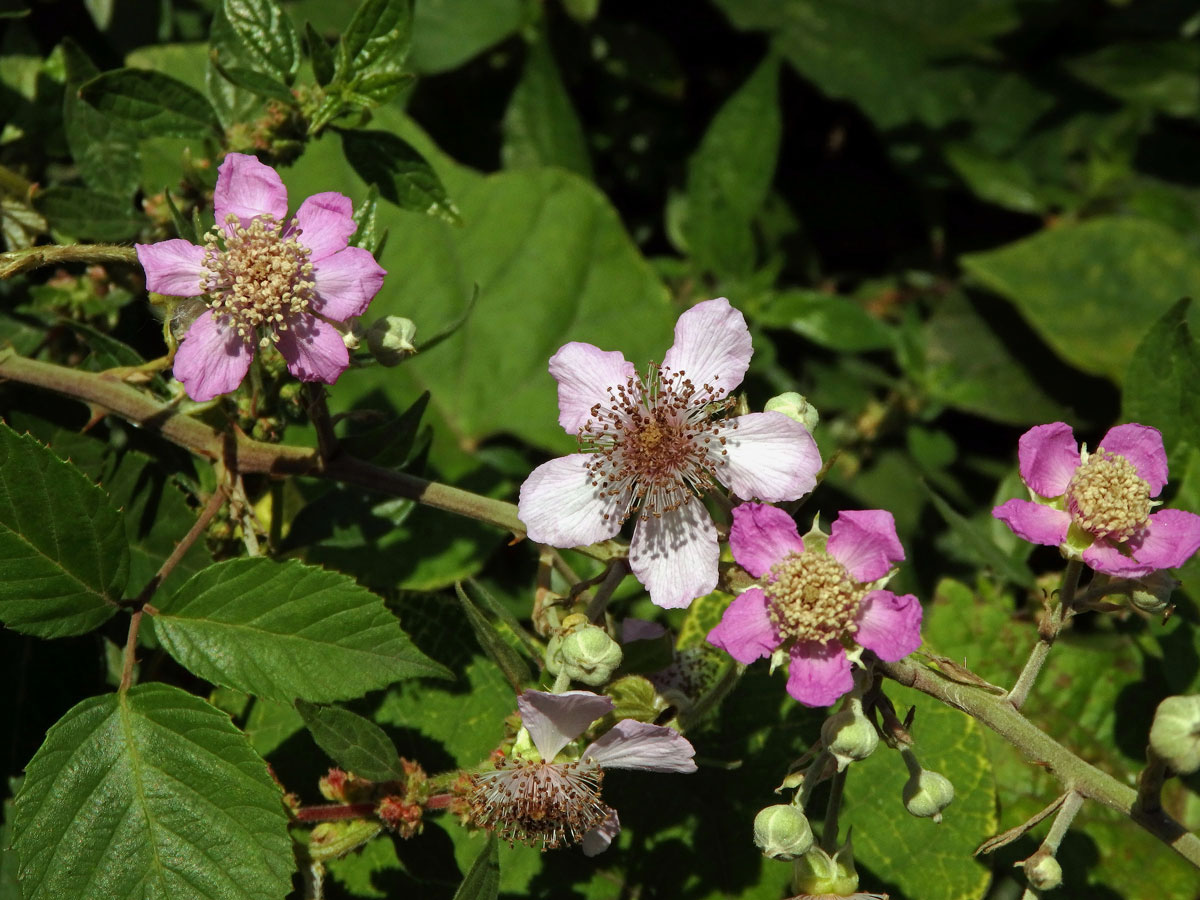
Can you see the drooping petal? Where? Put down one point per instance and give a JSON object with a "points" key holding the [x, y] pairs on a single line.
{"points": [[762, 536], [554, 720], [1034, 522], [561, 507], [675, 555], [865, 542], [174, 267], [640, 630], [597, 840], [1142, 446], [819, 673], [889, 624], [745, 631], [1048, 458], [1105, 557], [1170, 538], [346, 282], [766, 456], [212, 359], [313, 350], [584, 374], [639, 745], [712, 347], [248, 188], [325, 223]]}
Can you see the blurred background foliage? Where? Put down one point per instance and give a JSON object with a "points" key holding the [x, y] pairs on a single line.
{"points": [[946, 221]]}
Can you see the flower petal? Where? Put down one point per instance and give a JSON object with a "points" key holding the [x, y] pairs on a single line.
{"points": [[1142, 446], [1049, 457], [325, 222], [762, 536], [1103, 556], [248, 188], [712, 347], [766, 455], [1034, 522], [597, 840], [865, 542], [639, 745], [561, 507], [584, 374], [346, 283], [819, 673], [554, 720], [675, 555], [212, 359], [313, 349], [889, 624], [745, 631], [1170, 538], [174, 267], [640, 630]]}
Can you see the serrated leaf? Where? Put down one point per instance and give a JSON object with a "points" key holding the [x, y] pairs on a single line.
{"points": [[499, 651], [152, 793], [378, 34], [105, 149], [402, 174], [356, 744], [1161, 384], [156, 104], [62, 546], [84, 213], [482, 882], [259, 33], [541, 127]]}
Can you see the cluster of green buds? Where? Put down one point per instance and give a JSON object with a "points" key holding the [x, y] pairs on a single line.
{"points": [[583, 652]]}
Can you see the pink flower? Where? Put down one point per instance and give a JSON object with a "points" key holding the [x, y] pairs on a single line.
{"points": [[260, 270], [1096, 506], [538, 798], [820, 595], [650, 445]]}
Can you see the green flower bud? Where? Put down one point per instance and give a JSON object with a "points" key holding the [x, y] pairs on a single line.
{"points": [[1175, 733], [794, 406], [1043, 871], [390, 340], [553, 655], [819, 873], [849, 735], [782, 832], [927, 793], [590, 656], [1154, 594]]}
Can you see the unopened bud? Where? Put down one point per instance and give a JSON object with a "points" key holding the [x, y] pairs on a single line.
{"points": [[1043, 871], [390, 340], [1175, 733], [794, 406], [927, 793], [849, 735], [819, 873], [782, 832], [590, 656], [1154, 592]]}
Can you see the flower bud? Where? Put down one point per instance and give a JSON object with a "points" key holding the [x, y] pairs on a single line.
{"points": [[390, 340], [782, 832], [1154, 592], [1175, 733], [819, 873], [1043, 871], [794, 406], [849, 735], [927, 793], [590, 656]]}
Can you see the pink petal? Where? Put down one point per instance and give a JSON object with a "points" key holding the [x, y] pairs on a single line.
{"points": [[745, 631], [675, 555], [346, 283], [890, 625], [174, 267], [325, 222], [766, 456], [212, 359], [865, 542], [597, 840], [1034, 522], [640, 630], [1104, 557], [1049, 457], [584, 374], [712, 347], [1142, 446], [554, 720], [639, 745], [762, 536], [561, 507], [819, 673], [248, 188], [1170, 538], [313, 349]]}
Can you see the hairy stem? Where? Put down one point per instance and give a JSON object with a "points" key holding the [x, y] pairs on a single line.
{"points": [[16, 261], [333, 812], [1048, 631]]}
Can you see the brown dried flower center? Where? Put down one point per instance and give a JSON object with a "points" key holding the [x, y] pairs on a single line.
{"points": [[1106, 497], [811, 597], [539, 803]]}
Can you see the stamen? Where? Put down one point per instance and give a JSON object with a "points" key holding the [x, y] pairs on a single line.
{"points": [[811, 597], [539, 803], [1107, 497]]}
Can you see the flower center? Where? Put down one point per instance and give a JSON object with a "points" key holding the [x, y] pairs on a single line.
{"points": [[811, 597], [657, 442], [1107, 498], [539, 803], [259, 278]]}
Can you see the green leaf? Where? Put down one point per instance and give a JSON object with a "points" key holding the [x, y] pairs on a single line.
{"points": [[256, 83], [286, 630], [320, 55], [378, 34], [482, 882], [494, 645], [105, 149], [270, 723], [839, 323], [156, 104], [260, 34], [152, 793], [449, 32], [401, 173], [84, 213], [1155, 75], [379, 87], [979, 542], [62, 547], [1161, 384], [356, 744], [540, 124]]}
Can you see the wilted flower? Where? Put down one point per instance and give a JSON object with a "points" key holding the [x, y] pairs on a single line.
{"points": [[821, 595], [539, 798], [269, 279], [651, 445], [1096, 506]]}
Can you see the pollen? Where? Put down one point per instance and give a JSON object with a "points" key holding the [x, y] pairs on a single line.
{"points": [[811, 597], [1107, 498]]}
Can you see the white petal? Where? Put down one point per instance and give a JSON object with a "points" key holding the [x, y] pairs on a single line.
{"points": [[561, 507], [767, 456], [675, 555], [554, 720], [584, 374], [597, 840], [712, 346], [639, 745]]}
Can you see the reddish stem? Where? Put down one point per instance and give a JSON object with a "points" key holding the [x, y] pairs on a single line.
{"points": [[332, 812]]}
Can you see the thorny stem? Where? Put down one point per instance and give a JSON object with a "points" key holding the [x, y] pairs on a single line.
{"points": [[1048, 630], [829, 834]]}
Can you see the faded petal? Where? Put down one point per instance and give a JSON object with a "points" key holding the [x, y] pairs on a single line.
{"points": [[248, 188], [1049, 457], [762, 536], [313, 350], [584, 374], [865, 542], [1142, 446], [174, 267], [325, 222], [1169, 539], [554, 720], [675, 555], [639, 745], [212, 359], [560, 506], [1034, 522], [712, 346], [346, 283], [819, 673], [766, 456], [889, 624], [745, 631], [597, 840]]}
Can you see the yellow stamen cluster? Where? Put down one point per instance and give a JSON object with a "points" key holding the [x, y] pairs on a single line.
{"points": [[811, 597], [1106, 497], [539, 803]]}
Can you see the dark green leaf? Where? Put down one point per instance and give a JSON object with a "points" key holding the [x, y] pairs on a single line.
{"points": [[378, 34], [104, 148], [270, 723], [1162, 386], [256, 83], [156, 104], [483, 880], [448, 33], [107, 351], [320, 55], [978, 540], [839, 323], [84, 213], [356, 744], [260, 34], [378, 87], [1157, 75], [402, 174], [365, 234], [540, 124], [494, 645]]}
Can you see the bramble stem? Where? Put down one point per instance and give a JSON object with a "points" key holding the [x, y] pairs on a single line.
{"points": [[1048, 630], [829, 833], [333, 812], [1062, 821], [15, 262]]}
